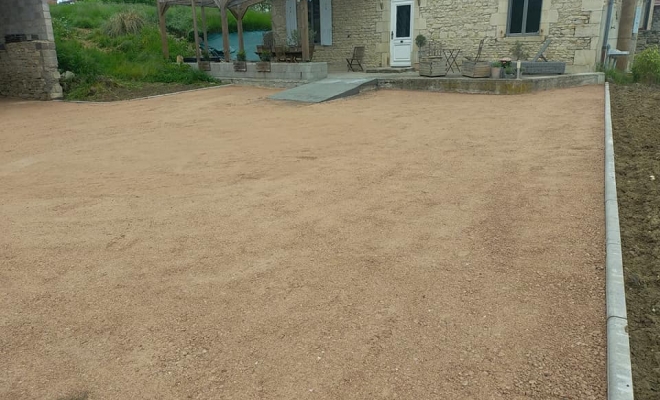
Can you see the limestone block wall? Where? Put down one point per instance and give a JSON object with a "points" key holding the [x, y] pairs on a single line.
{"points": [[575, 26], [28, 61], [650, 37], [29, 70]]}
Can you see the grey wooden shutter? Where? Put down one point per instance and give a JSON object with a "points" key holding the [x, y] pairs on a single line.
{"points": [[291, 18], [326, 22]]}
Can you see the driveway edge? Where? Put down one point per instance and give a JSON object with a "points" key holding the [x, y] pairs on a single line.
{"points": [[619, 371]]}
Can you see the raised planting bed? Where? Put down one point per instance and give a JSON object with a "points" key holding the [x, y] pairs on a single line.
{"points": [[476, 69], [433, 66], [542, 68], [636, 128]]}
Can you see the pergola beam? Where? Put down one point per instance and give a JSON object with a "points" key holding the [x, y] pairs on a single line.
{"points": [[237, 7], [196, 35]]}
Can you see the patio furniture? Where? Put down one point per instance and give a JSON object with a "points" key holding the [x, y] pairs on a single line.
{"points": [[452, 55], [475, 68], [357, 59], [280, 54], [433, 61], [612, 56], [544, 67]]}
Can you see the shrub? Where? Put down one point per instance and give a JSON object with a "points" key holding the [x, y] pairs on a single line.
{"points": [[124, 23], [646, 67], [72, 56]]}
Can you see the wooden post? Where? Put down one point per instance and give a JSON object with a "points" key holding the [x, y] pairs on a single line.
{"points": [[206, 33], [303, 29], [225, 31], [194, 14], [239, 13], [162, 9]]}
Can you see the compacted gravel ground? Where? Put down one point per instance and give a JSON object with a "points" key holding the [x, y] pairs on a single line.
{"points": [[220, 245]]}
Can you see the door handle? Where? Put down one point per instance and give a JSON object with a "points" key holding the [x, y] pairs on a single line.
{"points": [[391, 35], [402, 41]]}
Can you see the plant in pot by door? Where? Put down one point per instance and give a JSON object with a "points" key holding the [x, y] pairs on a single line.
{"points": [[420, 41], [264, 64], [496, 70], [240, 65]]}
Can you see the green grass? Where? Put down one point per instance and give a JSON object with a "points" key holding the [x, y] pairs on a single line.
{"points": [[85, 48], [613, 75], [91, 14]]}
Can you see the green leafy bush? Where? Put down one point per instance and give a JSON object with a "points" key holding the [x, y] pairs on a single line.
{"points": [[646, 67]]}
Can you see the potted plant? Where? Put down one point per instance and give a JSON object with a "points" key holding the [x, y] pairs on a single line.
{"points": [[264, 64], [420, 41], [205, 62], [240, 65], [509, 71], [496, 70]]}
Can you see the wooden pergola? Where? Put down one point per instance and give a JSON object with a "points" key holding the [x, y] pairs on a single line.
{"points": [[238, 8]]}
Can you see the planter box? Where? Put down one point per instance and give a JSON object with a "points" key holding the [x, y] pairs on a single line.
{"points": [[263, 66], [240, 66], [433, 66], [476, 69], [540, 67]]}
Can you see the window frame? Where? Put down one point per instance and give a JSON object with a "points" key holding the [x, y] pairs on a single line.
{"points": [[524, 20]]}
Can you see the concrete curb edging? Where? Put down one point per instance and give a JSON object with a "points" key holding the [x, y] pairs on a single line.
{"points": [[619, 371], [155, 96]]}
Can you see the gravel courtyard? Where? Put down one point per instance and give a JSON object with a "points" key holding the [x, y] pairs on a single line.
{"points": [[218, 245]]}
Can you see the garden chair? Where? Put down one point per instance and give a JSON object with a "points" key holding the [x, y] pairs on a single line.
{"points": [[280, 54], [357, 59], [544, 47], [474, 68], [269, 41]]}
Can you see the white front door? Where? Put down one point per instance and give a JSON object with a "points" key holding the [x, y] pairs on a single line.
{"points": [[401, 31]]}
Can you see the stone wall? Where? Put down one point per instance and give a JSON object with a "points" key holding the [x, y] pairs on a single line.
{"points": [[29, 70], [575, 27], [650, 37], [28, 61]]}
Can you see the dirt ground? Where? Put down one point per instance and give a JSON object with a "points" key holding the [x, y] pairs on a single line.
{"points": [[636, 125], [218, 245]]}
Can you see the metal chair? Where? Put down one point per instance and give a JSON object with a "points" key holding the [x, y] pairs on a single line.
{"points": [[357, 59]]}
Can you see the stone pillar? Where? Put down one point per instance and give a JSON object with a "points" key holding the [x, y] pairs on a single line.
{"points": [[28, 61]]}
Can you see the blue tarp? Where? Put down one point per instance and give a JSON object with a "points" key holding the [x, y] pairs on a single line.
{"points": [[251, 39]]}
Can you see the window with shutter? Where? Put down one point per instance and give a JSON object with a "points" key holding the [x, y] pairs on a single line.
{"points": [[320, 21]]}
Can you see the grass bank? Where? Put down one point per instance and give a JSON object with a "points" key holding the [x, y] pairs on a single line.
{"points": [[110, 63]]}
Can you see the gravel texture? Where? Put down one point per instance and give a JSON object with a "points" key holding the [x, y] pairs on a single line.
{"points": [[219, 245]]}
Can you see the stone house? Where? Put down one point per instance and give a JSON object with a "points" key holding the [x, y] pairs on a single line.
{"points": [[387, 28]]}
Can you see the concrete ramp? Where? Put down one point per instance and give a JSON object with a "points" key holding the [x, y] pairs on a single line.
{"points": [[326, 90]]}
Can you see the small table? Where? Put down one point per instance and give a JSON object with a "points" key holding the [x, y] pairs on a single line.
{"points": [[612, 55], [451, 55]]}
